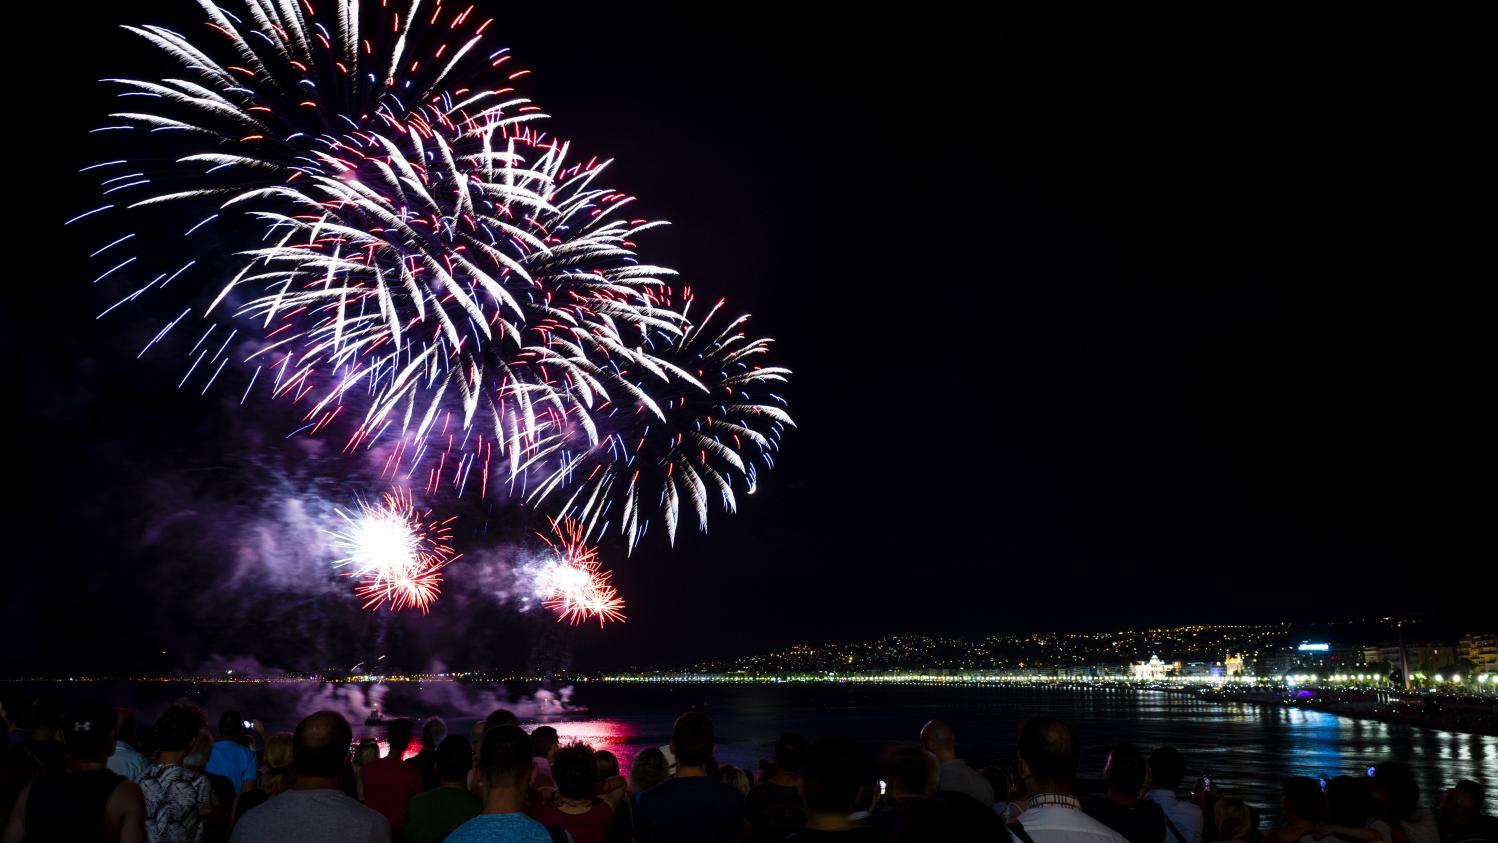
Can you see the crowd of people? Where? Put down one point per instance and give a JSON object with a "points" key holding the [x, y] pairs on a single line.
{"points": [[85, 774]]}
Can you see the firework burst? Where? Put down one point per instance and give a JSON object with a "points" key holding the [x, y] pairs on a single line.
{"points": [[387, 239], [571, 582], [396, 554]]}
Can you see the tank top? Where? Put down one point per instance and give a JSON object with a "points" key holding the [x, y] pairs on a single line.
{"points": [[69, 806]]}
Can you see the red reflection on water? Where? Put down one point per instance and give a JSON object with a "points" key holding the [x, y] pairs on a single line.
{"points": [[600, 733], [410, 752]]}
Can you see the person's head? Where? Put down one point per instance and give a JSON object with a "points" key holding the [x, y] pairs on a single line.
{"points": [[938, 739], [1458, 810], [367, 751], [608, 764], [692, 740], [46, 711], [1478, 793], [1234, 820], [1167, 768], [1048, 755], [998, 779], [500, 717], [278, 761], [789, 752], [908, 771], [505, 759], [320, 745], [200, 751], [735, 777], [1395, 791], [454, 759], [575, 770], [1125, 770], [544, 742], [1301, 799], [399, 736], [88, 730], [649, 769], [178, 726], [432, 732], [1348, 802], [124, 726], [834, 774], [231, 726]]}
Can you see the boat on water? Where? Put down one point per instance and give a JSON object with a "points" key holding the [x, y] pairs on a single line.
{"points": [[378, 718]]}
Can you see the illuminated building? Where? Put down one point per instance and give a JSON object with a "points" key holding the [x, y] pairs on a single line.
{"points": [[1150, 671], [1481, 649]]}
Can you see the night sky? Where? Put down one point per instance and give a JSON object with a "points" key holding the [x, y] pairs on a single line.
{"points": [[1093, 325]]}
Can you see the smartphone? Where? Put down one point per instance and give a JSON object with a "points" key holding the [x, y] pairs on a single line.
{"points": [[1322, 779], [248, 724], [1371, 770], [1207, 782], [882, 787]]}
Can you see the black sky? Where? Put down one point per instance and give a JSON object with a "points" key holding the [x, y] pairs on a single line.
{"points": [[1094, 323]]}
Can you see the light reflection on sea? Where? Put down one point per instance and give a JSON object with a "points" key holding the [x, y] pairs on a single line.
{"points": [[1247, 748]]}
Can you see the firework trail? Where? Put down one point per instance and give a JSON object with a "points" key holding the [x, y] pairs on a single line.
{"points": [[396, 555], [571, 581], [414, 263]]}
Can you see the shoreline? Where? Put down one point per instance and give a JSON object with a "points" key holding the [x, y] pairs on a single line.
{"points": [[1475, 716], [1469, 714]]}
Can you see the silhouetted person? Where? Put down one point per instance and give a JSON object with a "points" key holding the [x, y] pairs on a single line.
{"points": [[614, 789], [216, 826], [126, 760], [231, 758], [912, 810], [433, 731], [505, 773], [45, 743], [773, 809], [1235, 820], [937, 738], [834, 777], [650, 768], [690, 808], [1047, 771], [1349, 806], [1302, 808], [909, 774], [314, 807], [88, 803], [178, 799], [574, 807], [1123, 809], [1396, 796], [389, 782], [1485, 823], [1183, 818], [544, 743], [278, 760], [434, 813]]}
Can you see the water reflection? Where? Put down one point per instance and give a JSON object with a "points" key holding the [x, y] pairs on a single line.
{"points": [[1248, 749]]}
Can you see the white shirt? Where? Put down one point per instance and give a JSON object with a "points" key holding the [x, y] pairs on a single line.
{"points": [[1186, 816], [957, 776], [1052, 818]]}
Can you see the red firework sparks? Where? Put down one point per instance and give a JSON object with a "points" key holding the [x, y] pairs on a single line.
{"points": [[397, 555], [572, 583]]}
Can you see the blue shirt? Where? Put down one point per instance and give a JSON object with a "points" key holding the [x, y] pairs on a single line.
{"points": [[234, 761], [500, 828]]}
